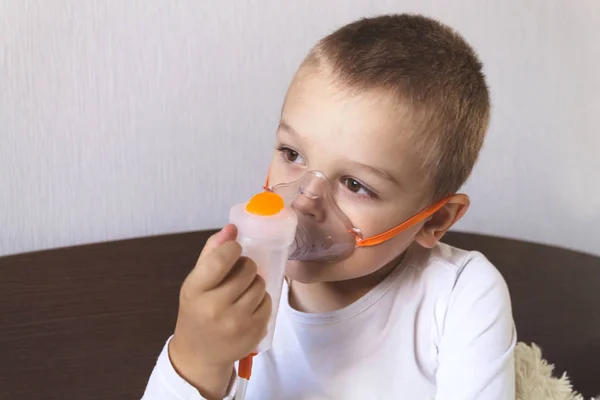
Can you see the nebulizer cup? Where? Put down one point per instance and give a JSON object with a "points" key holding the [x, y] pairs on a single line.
{"points": [[266, 232]]}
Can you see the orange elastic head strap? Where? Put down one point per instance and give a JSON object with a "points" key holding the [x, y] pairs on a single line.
{"points": [[412, 221]]}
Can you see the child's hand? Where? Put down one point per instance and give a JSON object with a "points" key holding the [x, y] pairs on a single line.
{"points": [[223, 314]]}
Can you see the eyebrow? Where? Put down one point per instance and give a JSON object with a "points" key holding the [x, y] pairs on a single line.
{"points": [[284, 126]]}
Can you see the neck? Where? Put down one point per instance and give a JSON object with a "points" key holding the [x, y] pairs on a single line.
{"points": [[322, 297]]}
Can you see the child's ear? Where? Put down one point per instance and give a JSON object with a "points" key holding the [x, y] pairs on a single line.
{"points": [[439, 223]]}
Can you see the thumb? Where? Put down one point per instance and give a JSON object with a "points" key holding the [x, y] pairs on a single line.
{"points": [[228, 233]]}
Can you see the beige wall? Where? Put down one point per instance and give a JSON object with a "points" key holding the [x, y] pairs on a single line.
{"points": [[137, 117]]}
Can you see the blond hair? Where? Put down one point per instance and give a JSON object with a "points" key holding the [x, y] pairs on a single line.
{"points": [[429, 67]]}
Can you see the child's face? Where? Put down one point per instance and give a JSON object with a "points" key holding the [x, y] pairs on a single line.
{"points": [[360, 142]]}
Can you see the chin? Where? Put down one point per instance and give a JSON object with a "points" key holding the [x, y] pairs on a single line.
{"points": [[310, 272]]}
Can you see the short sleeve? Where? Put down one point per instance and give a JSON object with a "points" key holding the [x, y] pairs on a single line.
{"points": [[166, 384], [476, 349]]}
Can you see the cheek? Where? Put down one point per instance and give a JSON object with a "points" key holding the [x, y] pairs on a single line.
{"points": [[281, 172], [373, 217], [367, 260], [362, 213]]}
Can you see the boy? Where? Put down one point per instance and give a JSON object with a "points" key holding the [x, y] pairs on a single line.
{"points": [[393, 111]]}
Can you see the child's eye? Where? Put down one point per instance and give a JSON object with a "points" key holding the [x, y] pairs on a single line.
{"points": [[290, 155], [357, 188]]}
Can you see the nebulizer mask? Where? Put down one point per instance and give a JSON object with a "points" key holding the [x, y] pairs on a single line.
{"points": [[325, 233], [299, 220]]}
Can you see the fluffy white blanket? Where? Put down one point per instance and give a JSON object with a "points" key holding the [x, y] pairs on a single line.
{"points": [[534, 380]]}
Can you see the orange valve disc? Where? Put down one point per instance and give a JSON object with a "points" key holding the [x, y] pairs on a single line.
{"points": [[265, 204]]}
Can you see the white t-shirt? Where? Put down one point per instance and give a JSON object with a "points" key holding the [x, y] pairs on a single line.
{"points": [[438, 327]]}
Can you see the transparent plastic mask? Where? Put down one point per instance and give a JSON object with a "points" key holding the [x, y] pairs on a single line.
{"points": [[324, 232]]}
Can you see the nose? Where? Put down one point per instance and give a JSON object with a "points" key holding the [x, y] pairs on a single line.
{"points": [[311, 199], [310, 207]]}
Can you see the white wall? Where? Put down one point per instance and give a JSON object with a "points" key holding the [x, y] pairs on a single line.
{"points": [[138, 117]]}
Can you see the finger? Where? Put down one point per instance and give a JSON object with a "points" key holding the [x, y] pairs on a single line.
{"points": [[263, 311], [238, 280], [212, 268], [228, 233], [251, 299]]}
